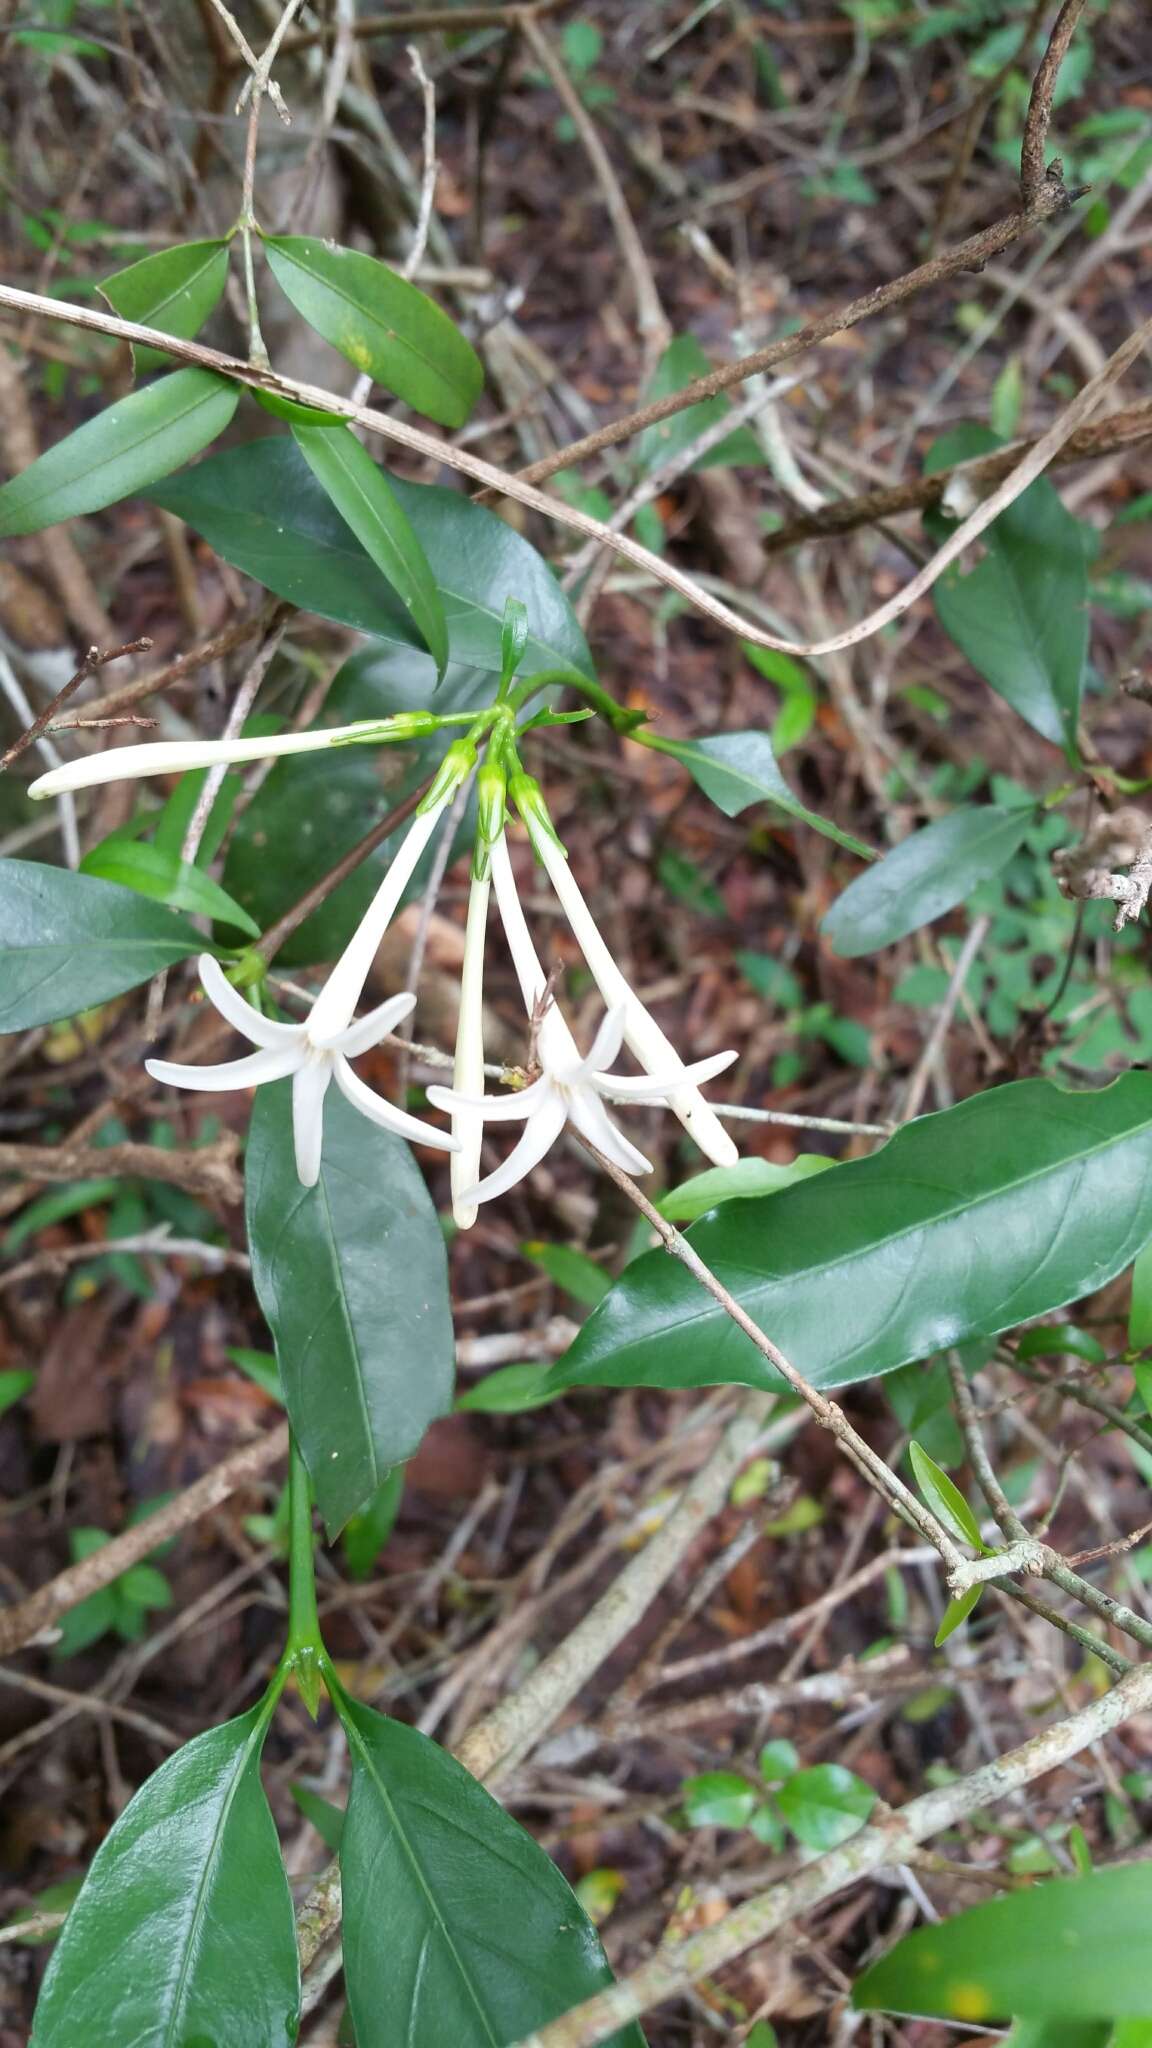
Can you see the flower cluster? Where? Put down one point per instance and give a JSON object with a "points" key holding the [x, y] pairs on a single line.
{"points": [[561, 1085]]}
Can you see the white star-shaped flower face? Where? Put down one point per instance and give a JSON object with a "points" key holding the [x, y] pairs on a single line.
{"points": [[314, 1055], [569, 1089]]}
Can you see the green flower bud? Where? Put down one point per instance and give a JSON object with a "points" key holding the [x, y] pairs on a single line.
{"points": [[491, 805], [454, 769], [528, 798]]}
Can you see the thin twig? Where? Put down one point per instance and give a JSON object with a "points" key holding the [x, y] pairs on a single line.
{"points": [[978, 932], [1120, 430], [653, 322], [415, 256], [182, 665], [1033, 171], [690, 588], [149, 1244], [207, 1170], [271, 941], [92, 661], [678, 1964], [29, 1618]]}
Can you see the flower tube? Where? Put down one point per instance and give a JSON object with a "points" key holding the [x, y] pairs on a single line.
{"points": [[173, 757], [642, 1034]]}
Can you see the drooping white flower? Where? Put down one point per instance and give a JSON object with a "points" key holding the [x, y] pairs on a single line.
{"points": [[173, 757], [570, 1088], [642, 1034], [317, 1051]]}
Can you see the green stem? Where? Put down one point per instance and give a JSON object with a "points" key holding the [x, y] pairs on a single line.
{"points": [[304, 1652], [618, 716]]}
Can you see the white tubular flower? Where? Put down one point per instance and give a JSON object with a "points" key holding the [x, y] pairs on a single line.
{"points": [[173, 757], [317, 1051], [570, 1089], [468, 1071], [642, 1034]]}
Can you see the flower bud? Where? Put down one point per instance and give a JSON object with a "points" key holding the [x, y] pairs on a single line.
{"points": [[491, 805], [528, 798], [405, 725], [454, 769]]}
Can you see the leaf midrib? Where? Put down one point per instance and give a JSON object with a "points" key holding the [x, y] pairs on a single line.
{"points": [[255, 1738], [360, 1742]]}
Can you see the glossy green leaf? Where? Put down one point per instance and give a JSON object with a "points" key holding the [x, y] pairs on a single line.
{"points": [[957, 1610], [719, 1799], [1140, 1311], [748, 1177], [929, 873], [1075, 1949], [825, 1805], [457, 1927], [1020, 613], [352, 1278], [261, 1368], [736, 769], [681, 363], [964, 1224], [174, 290], [944, 1498], [124, 449], [166, 880], [183, 1932], [313, 809], [365, 499], [1060, 1340], [68, 941], [574, 1271], [381, 323], [261, 508]]}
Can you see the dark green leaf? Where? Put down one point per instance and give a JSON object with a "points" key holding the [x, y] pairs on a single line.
{"points": [[964, 1224], [68, 942], [369, 1529], [945, 1498], [1061, 1340], [123, 450], [929, 873], [457, 1927], [175, 290], [719, 1799], [1076, 1949], [183, 1932], [681, 363], [365, 499], [313, 809], [736, 769], [352, 1278], [158, 875], [261, 508], [381, 323], [956, 1611], [825, 1805], [1020, 613]]}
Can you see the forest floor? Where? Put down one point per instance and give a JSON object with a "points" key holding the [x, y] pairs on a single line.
{"points": [[776, 161]]}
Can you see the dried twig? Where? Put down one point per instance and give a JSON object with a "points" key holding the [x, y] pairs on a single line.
{"points": [[208, 1170], [92, 661], [28, 1618], [1033, 172], [694, 591], [678, 1964]]}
